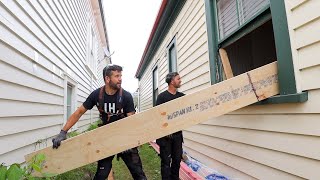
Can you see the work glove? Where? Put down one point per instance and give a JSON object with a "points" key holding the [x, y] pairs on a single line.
{"points": [[57, 140]]}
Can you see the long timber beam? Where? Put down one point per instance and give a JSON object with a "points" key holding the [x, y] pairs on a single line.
{"points": [[159, 121]]}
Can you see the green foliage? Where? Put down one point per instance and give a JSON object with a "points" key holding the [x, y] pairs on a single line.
{"points": [[14, 172], [85, 172], [73, 134], [150, 161], [120, 170], [37, 162], [3, 171], [94, 125]]}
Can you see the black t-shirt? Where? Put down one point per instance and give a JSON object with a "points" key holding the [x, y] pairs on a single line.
{"points": [[110, 104], [167, 96]]}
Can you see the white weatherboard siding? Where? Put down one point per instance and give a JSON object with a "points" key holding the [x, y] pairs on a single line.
{"points": [[275, 141], [193, 66], [304, 26], [272, 141], [43, 46], [192, 54]]}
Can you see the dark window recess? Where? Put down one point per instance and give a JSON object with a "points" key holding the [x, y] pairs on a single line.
{"points": [[172, 59], [253, 50], [155, 88], [172, 55], [69, 100]]}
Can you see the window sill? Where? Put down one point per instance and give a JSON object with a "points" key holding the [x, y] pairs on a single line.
{"points": [[291, 98]]}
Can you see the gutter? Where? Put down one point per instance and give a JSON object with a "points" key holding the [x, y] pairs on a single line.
{"points": [[104, 23]]}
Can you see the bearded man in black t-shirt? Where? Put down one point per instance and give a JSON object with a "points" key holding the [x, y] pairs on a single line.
{"points": [[171, 145], [113, 103]]}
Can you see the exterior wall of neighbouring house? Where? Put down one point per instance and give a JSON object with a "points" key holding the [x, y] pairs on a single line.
{"points": [[189, 29], [273, 141], [277, 141], [43, 48]]}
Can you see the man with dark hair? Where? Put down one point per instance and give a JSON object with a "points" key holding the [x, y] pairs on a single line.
{"points": [[171, 145], [113, 103]]}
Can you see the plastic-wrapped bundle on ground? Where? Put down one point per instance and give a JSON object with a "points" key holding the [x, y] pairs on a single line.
{"points": [[202, 170]]}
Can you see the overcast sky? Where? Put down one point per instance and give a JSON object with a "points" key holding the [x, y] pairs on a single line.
{"points": [[129, 24]]}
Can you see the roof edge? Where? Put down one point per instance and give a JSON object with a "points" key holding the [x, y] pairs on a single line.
{"points": [[155, 26], [104, 23]]}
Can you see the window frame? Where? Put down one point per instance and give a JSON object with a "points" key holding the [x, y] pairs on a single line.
{"points": [[243, 24], [69, 81], [286, 76], [154, 96], [69, 86], [91, 61], [173, 43]]}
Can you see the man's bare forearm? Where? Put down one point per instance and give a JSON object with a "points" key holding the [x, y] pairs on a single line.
{"points": [[74, 118]]}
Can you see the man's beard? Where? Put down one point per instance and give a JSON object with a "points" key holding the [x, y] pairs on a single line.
{"points": [[177, 85], [114, 85]]}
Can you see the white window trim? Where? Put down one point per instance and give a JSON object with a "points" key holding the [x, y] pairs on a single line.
{"points": [[91, 47], [138, 103], [91, 89], [69, 80], [173, 43], [155, 68]]}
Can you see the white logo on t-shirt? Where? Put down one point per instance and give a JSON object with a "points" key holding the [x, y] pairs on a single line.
{"points": [[110, 107]]}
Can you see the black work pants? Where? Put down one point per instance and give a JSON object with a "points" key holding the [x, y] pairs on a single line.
{"points": [[130, 158], [170, 154]]}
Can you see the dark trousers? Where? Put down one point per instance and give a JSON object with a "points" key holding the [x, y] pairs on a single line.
{"points": [[170, 154], [130, 158]]}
